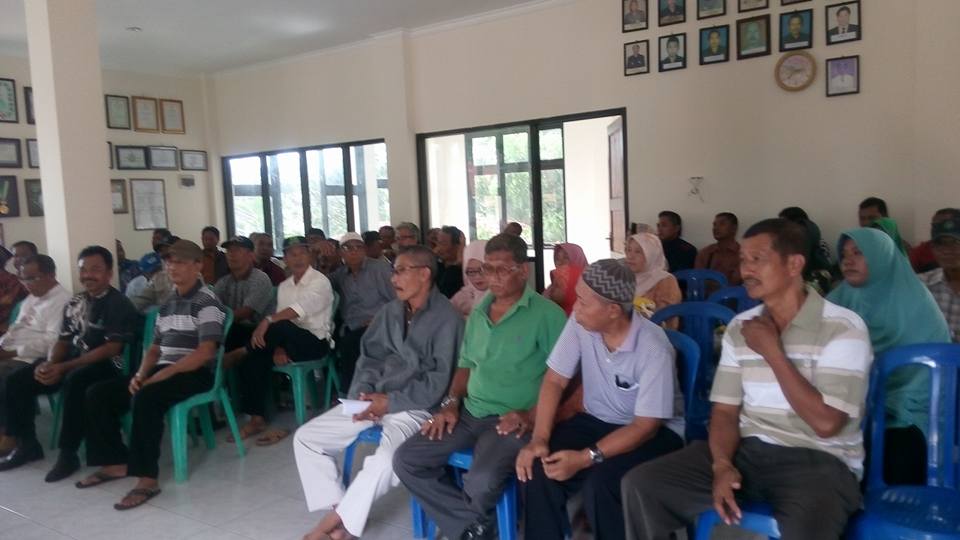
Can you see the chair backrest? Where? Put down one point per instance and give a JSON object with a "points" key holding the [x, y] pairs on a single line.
{"points": [[688, 361], [149, 326], [735, 298], [698, 321], [14, 313], [696, 282], [943, 445], [218, 368]]}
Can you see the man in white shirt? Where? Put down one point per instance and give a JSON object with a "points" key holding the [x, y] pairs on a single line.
{"points": [[299, 331], [36, 329]]}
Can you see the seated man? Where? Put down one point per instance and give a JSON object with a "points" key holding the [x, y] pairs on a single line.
{"points": [[159, 288], [502, 360], [245, 290], [724, 255], [148, 265], [178, 365], [264, 258], [632, 407], [788, 399], [299, 331], [407, 357], [97, 323], [36, 329], [12, 292], [944, 282], [364, 287]]}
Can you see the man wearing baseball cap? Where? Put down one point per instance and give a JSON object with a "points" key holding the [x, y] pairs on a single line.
{"points": [[148, 265], [245, 290], [178, 365], [364, 287], [159, 288], [633, 409], [944, 282]]}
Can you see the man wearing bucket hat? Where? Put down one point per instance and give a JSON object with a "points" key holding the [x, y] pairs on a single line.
{"points": [[944, 282], [245, 290]]}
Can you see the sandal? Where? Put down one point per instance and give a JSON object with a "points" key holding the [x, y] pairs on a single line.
{"points": [[146, 493], [246, 432], [100, 477], [272, 437]]}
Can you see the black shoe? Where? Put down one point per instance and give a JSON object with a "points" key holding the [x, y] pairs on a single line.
{"points": [[478, 531], [67, 464], [21, 455]]}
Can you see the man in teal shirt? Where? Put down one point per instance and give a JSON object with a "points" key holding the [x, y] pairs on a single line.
{"points": [[502, 361]]}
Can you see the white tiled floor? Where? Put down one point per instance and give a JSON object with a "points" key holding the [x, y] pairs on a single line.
{"points": [[226, 498]]}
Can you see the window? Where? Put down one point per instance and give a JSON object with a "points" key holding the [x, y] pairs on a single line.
{"points": [[285, 193]]}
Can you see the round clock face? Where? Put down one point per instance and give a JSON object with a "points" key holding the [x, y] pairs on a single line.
{"points": [[795, 71]]}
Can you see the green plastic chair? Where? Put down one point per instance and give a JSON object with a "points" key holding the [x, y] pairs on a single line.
{"points": [[302, 378], [178, 417]]}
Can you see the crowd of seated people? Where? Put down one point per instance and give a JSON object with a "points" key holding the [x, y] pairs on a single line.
{"points": [[570, 391]]}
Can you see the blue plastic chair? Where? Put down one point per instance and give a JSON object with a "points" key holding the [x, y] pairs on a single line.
{"points": [[696, 282], [756, 517], [735, 298], [698, 321], [930, 512], [688, 362]]}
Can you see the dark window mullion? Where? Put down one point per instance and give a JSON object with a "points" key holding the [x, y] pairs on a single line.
{"points": [[348, 186], [471, 189], [265, 196], [501, 181], [305, 191]]}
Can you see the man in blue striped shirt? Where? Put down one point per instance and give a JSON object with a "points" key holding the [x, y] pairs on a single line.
{"points": [[188, 331]]}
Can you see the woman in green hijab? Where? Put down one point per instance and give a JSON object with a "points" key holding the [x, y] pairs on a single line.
{"points": [[890, 227], [880, 286]]}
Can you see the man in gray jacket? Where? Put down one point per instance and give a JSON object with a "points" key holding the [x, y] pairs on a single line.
{"points": [[407, 357]]}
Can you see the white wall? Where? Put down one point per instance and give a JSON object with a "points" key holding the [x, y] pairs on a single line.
{"points": [[188, 209]]}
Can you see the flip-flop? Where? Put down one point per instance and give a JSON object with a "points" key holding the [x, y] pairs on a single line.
{"points": [[147, 494], [272, 437], [100, 477]]}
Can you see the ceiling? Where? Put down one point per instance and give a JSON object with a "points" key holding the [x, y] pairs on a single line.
{"points": [[193, 37]]}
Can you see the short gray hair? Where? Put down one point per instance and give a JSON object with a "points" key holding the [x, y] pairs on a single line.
{"points": [[422, 256]]}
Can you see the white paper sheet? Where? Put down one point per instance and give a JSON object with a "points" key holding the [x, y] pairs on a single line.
{"points": [[354, 406]]}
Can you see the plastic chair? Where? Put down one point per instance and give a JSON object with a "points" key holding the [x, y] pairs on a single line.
{"points": [[178, 417], [688, 360], [699, 319], [696, 282], [757, 518], [737, 296], [303, 382], [930, 512]]}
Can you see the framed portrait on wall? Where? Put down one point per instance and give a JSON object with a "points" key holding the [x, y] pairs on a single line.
{"points": [[8, 101], [131, 157], [10, 157], [844, 22], [118, 111], [796, 30], [193, 160], [162, 158], [753, 37], [636, 55], [714, 45], [635, 15], [171, 116], [672, 12], [149, 201], [34, 193], [843, 76], [673, 52], [118, 196], [28, 104], [752, 5], [707, 9], [145, 114], [9, 197], [33, 154]]}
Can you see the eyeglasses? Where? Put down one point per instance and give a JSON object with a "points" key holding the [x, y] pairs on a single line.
{"points": [[474, 272], [352, 247], [400, 270], [30, 279], [498, 271]]}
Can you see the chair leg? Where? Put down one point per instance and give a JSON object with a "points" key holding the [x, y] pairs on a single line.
{"points": [[206, 424], [706, 521], [298, 383], [332, 382], [420, 521], [56, 407], [178, 419], [507, 512], [313, 387], [232, 420]]}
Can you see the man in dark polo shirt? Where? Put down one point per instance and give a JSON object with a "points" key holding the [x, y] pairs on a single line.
{"points": [[245, 290], [178, 365]]}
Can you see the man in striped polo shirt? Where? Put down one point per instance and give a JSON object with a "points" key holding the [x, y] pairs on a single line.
{"points": [[788, 399], [188, 331]]}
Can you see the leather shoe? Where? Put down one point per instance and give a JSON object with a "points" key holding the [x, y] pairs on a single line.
{"points": [[478, 531], [67, 464], [21, 455]]}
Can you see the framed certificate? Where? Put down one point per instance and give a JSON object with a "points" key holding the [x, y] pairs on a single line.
{"points": [[118, 196], [171, 116], [28, 104], [162, 158], [149, 200], [10, 156], [145, 114], [34, 196], [131, 157], [33, 154], [118, 112], [9, 198], [193, 160], [8, 101]]}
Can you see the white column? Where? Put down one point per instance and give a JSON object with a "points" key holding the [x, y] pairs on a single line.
{"points": [[71, 133]]}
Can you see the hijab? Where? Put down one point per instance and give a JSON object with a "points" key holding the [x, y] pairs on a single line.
{"points": [[890, 227], [577, 262], [656, 268], [468, 297]]}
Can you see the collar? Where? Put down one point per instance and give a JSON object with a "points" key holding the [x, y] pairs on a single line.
{"points": [[522, 302], [934, 277], [193, 290], [811, 312], [632, 340], [307, 276], [99, 296], [431, 299]]}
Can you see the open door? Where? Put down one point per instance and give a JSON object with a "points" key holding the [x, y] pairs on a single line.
{"points": [[618, 221]]}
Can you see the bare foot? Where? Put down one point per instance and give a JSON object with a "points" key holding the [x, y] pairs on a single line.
{"points": [[255, 426], [325, 529]]}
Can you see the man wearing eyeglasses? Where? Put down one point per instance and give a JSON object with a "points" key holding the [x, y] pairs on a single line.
{"points": [[944, 282], [364, 287], [407, 357], [506, 343]]}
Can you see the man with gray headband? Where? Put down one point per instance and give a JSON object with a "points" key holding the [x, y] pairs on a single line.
{"points": [[632, 402]]}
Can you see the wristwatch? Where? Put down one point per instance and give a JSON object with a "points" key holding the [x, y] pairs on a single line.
{"points": [[596, 456], [449, 400]]}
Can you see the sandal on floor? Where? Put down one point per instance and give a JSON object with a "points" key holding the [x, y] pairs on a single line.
{"points": [[272, 437], [100, 477], [146, 493], [246, 432]]}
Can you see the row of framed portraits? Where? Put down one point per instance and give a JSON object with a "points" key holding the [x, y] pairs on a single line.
{"points": [[844, 21], [148, 198], [163, 158]]}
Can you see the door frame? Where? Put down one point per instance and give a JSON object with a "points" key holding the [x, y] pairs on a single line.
{"points": [[534, 126]]}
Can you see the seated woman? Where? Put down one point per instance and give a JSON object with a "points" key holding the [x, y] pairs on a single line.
{"points": [[656, 288], [570, 262], [474, 282], [880, 286], [889, 226]]}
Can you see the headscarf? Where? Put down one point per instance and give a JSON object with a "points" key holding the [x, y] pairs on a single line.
{"points": [[890, 227], [468, 297], [656, 268], [575, 266], [899, 310]]}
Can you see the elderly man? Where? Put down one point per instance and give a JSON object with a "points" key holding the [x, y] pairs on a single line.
{"points": [[36, 329], [214, 261], [944, 282], [188, 333], [406, 360], [388, 242], [159, 288], [264, 260], [788, 400], [364, 287], [502, 361], [97, 323], [450, 251], [245, 290], [11, 290], [408, 234]]}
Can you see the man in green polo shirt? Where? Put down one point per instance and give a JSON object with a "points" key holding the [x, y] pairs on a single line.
{"points": [[502, 361]]}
